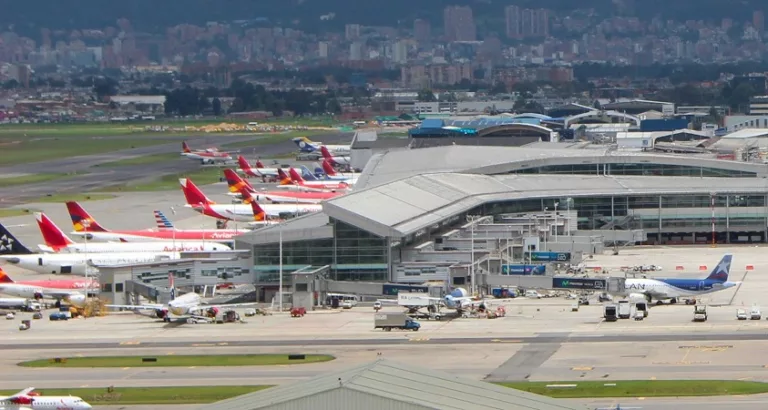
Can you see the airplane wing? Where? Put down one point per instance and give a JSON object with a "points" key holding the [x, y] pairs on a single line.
{"points": [[24, 392], [59, 293], [138, 307]]}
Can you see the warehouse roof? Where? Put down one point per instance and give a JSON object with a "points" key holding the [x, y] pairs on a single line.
{"points": [[398, 164], [406, 206], [396, 382]]}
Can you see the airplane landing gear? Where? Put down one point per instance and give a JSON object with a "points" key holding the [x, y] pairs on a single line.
{"points": [[673, 301]]}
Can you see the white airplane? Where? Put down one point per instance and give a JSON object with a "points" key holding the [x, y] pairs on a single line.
{"points": [[334, 160], [189, 305], [26, 400], [333, 175], [260, 171], [307, 145], [56, 241], [34, 291], [197, 200], [457, 300], [673, 288]]}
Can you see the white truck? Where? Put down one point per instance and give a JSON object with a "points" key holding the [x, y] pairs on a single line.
{"points": [[700, 313], [755, 314], [389, 321], [625, 309]]}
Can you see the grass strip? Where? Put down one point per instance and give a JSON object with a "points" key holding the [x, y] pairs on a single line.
{"points": [[178, 360], [203, 176], [641, 388], [149, 395], [72, 197]]}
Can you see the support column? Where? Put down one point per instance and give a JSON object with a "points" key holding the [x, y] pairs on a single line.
{"points": [[727, 219]]}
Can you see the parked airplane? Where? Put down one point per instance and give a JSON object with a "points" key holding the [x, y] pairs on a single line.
{"points": [[197, 200], [307, 145], [245, 191], [70, 291], [14, 252], [86, 226], [322, 185], [206, 156], [673, 288], [27, 400], [457, 300], [188, 305], [260, 171], [56, 241], [162, 221], [335, 160], [349, 177]]}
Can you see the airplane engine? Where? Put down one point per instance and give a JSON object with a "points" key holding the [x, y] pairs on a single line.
{"points": [[640, 296], [459, 293], [212, 312], [161, 313], [76, 300], [207, 161], [37, 296]]}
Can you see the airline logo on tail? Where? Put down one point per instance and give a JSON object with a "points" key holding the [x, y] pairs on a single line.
{"points": [[193, 194], [720, 273], [328, 168], [4, 278], [82, 221], [162, 221], [52, 235], [9, 245], [305, 144], [185, 148], [234, 181], [258, 213], [284, 179]]}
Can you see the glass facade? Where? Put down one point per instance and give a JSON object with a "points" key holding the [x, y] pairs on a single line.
{"points": [[637, 169], [353, 254]]}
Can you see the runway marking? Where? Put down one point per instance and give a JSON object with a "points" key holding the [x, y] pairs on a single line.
{"points": [[582, 369], [505, 341], [191, 367], [723, 347], [170, 354], [126, 368], [130, 343], [84, 386], [203, 345], [423, 339], [223, 344], [684, 363]]}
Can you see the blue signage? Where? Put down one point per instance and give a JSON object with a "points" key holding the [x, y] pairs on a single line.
{"points": [[550, 256], [523, 269], [393, 290], [578, 283]]}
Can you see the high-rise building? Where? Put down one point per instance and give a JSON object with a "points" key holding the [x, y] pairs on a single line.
{"points": [[352, 32], [758, 20], [459, 24], [422, 31], [322, 49], [513, 19], [356, 51], [534, 23], [400, 52]]}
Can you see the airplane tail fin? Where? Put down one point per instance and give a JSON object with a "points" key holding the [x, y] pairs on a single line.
{"points": [[82, 221], [259, 164], [258, 212], [328, 168], [193, 194], [720, 273], [295, 177], [284, 179], [162, 221], [326, 154], [244, 165], [4, 278], [9, 245], [185, 148], [52, 234], [307, 174], [235, 182], [245, 193], [172, 285], [304, 144]]}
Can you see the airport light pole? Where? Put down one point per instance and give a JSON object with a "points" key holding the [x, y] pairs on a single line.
{"points": [[280, 279], [556, 204], [712, 207], [473, 287]]}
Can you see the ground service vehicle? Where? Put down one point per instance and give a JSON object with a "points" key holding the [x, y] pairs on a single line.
{"points": [[642, 307], [639, 315], [741, 314], [625, 309], [610, 313], [389, 321], [700, 313], [755, 313]]}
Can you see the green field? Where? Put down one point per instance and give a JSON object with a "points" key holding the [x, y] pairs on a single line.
{"points": [[643, 388], [72, 197], [142, 160], [203, 176], [150, 395], [31, 179], [179, 360], [28, 149], [270, 139], [11, 212]]}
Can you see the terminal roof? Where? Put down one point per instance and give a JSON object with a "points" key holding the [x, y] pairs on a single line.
{"points": [[403, 207], [398, 164], [383, 383]]}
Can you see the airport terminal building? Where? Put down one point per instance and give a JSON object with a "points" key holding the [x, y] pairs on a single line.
{"points": [[406, 220]]}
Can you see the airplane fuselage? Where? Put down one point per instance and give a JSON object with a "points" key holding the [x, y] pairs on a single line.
{"points": [[213, 235], [151, 246], [674, 288], [244, 213], [44, 403], [75, 263]]}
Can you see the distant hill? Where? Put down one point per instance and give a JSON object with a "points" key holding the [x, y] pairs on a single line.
{"points": [[30, 16]]}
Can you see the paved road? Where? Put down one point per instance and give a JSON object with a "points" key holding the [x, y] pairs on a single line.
{"points": [[99, 177], [756, 402], [542, 338]]}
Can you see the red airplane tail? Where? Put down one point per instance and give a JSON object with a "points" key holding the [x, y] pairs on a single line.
{"points": [[52, 235], [193, 194], [82, 221], [295, 177], [284, 179], [328, 168], [259, 164], [185, 148], [326, 154], [244, 165], [235, 182], [4, 278], [258, 212]]}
